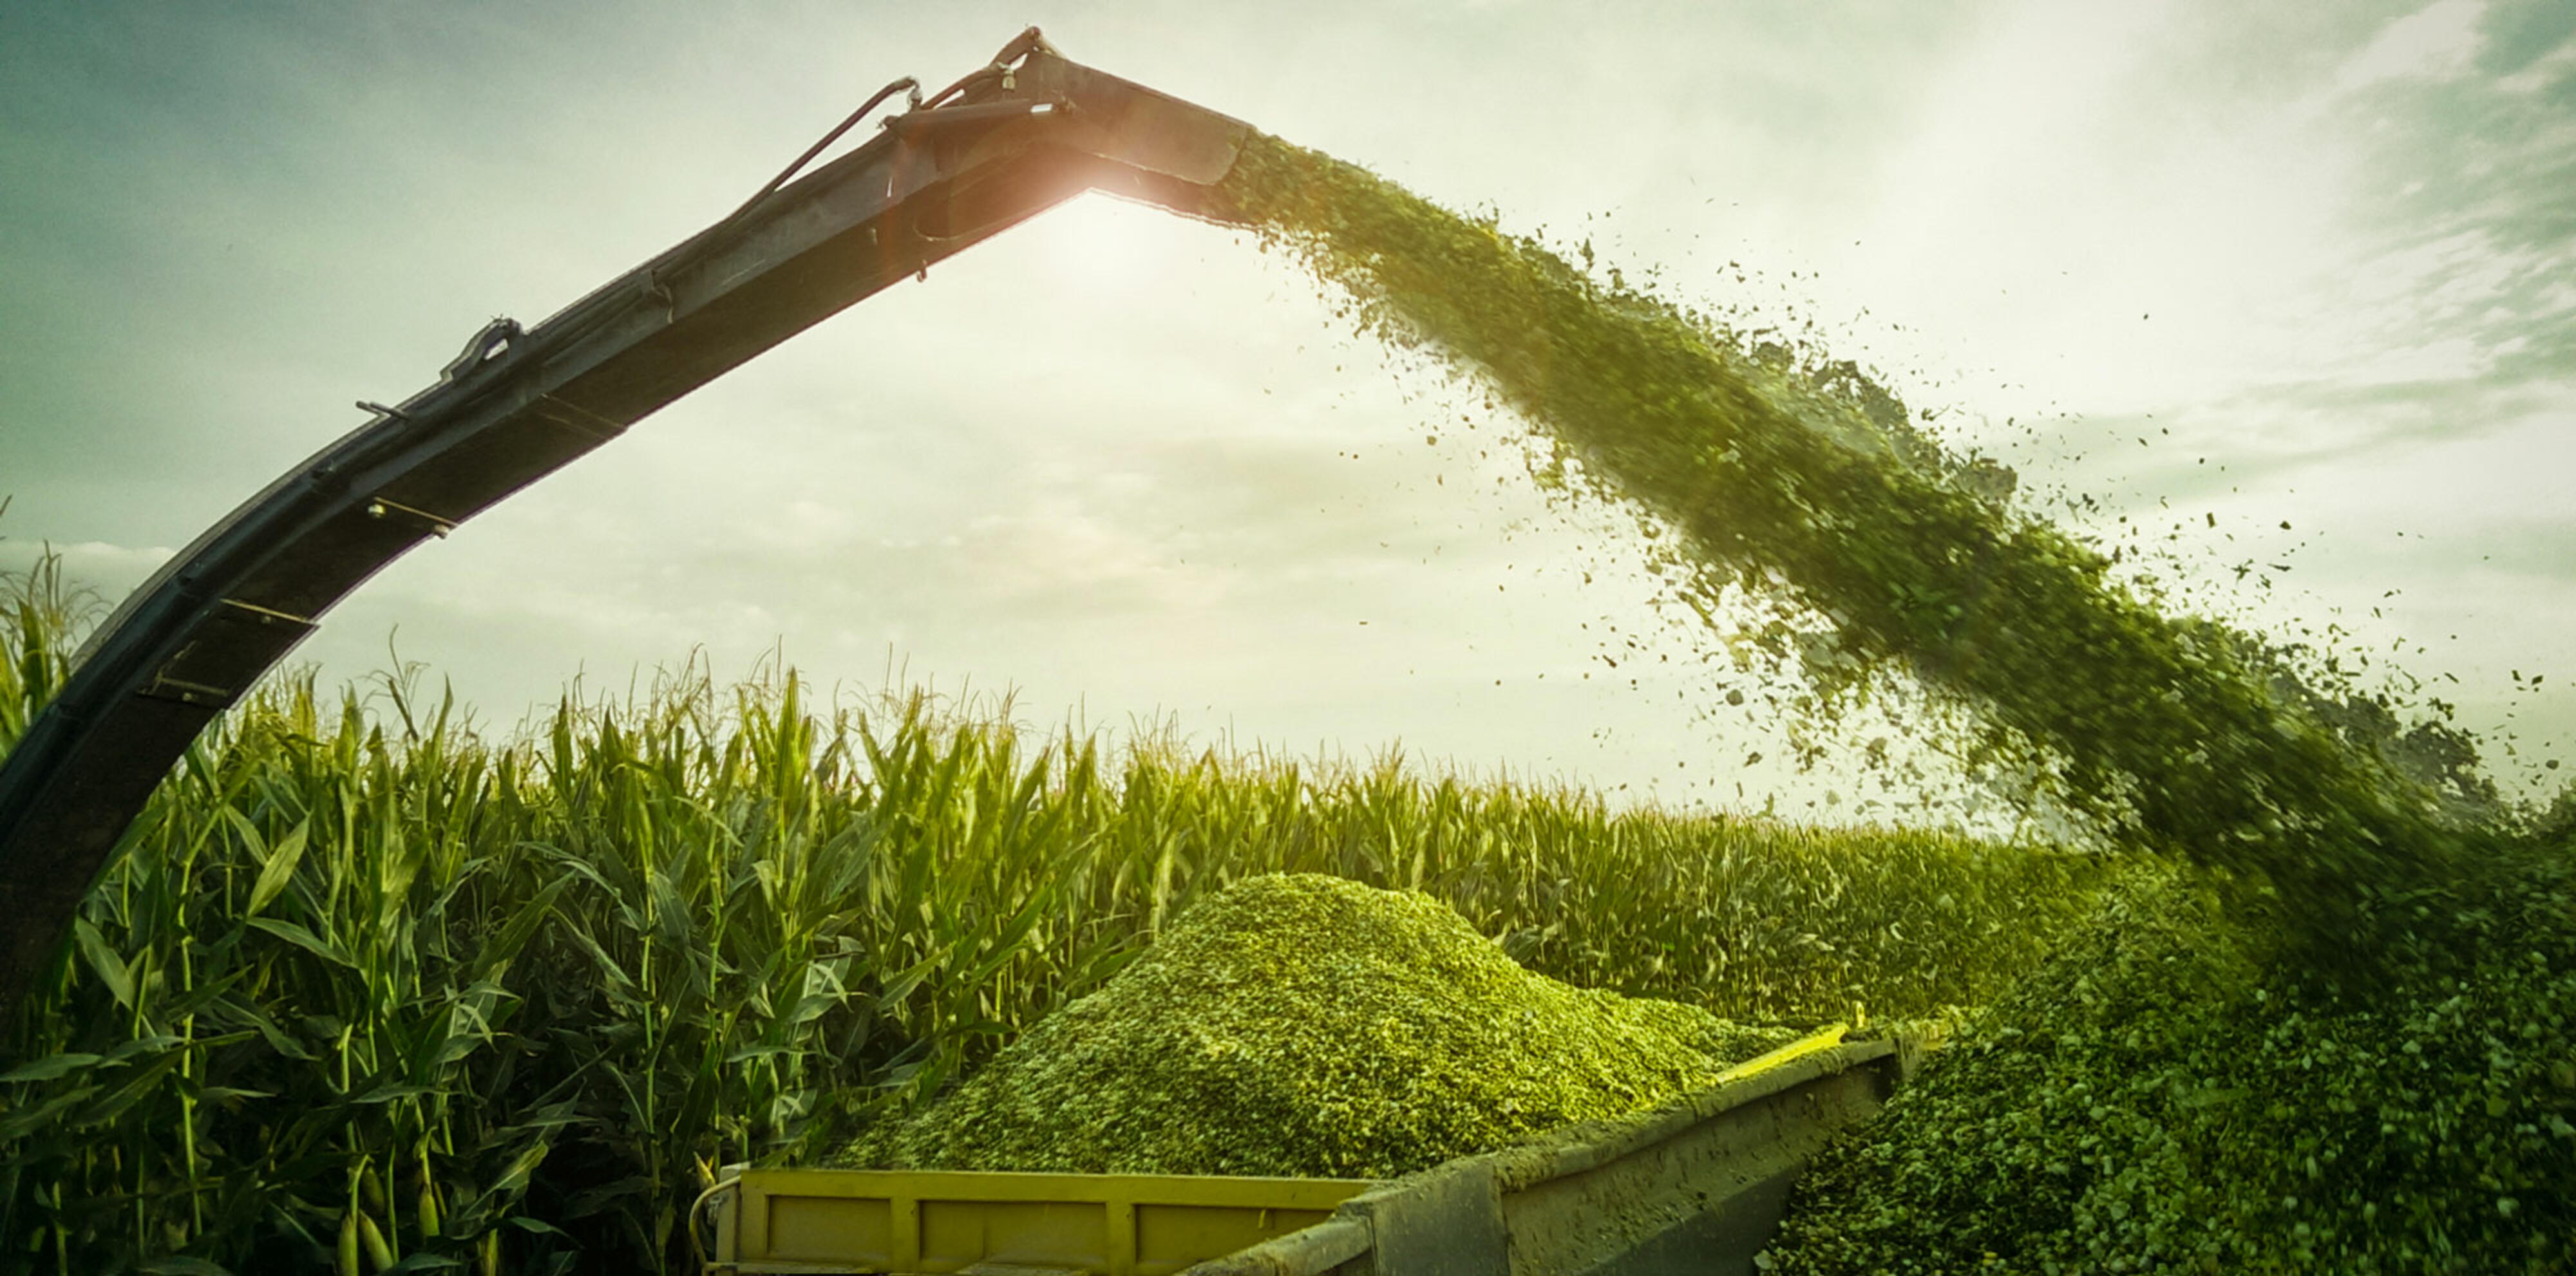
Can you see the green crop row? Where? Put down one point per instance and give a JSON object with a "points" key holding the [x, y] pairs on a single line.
{"points": [[373, 987]]}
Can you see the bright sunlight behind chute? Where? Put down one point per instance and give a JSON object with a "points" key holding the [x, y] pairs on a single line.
{"points": [[1099, 246]]}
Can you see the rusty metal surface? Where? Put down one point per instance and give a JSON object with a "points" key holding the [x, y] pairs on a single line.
{"points": [[518, 405]]}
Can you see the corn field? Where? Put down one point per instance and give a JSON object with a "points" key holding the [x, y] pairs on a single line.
{"points": [[373, 989]]}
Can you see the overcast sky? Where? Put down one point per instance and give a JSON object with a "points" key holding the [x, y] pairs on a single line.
{"points": [[2317, 257]]}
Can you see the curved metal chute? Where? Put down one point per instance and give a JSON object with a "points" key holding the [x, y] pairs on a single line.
{"points": [[1009, 141]]}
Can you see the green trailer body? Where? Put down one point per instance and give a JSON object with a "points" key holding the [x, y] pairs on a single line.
{"points": [[1695, 1186]]}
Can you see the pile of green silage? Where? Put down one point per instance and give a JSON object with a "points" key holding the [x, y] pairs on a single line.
{"points": [[2158, 1099], [1299, 1024]]}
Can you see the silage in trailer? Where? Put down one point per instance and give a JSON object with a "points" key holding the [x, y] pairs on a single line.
{"points": [[1302, 1025]]}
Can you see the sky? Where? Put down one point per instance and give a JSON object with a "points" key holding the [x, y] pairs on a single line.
{"points": [[2219, 268]]}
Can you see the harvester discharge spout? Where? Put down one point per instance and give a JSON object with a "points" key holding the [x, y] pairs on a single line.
{"points": [[1002, 144]]}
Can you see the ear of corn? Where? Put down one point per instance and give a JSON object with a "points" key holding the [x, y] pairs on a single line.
{"points": [[346, 1259], [380, 1252]]}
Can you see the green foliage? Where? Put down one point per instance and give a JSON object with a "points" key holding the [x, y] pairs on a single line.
{"points": [[366, 976], [1302, 1025], [2158, 1098], [40, 617]]}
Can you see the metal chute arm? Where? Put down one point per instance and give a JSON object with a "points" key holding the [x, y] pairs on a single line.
{"points": [[1000, 146]]}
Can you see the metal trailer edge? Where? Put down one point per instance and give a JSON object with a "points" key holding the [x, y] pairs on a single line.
{"points": [[1695, 1186]]}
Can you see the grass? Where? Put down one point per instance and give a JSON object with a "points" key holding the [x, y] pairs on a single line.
{"points": [[372, 985]]}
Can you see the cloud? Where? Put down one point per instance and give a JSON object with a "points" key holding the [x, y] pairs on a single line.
{"points": [[2437, 42], [2520, 33], [1118, 455], [111, 570]]}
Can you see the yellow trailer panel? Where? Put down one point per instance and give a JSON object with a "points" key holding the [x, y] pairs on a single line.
{"points": [[931, 1221], [1586, 1183]]}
